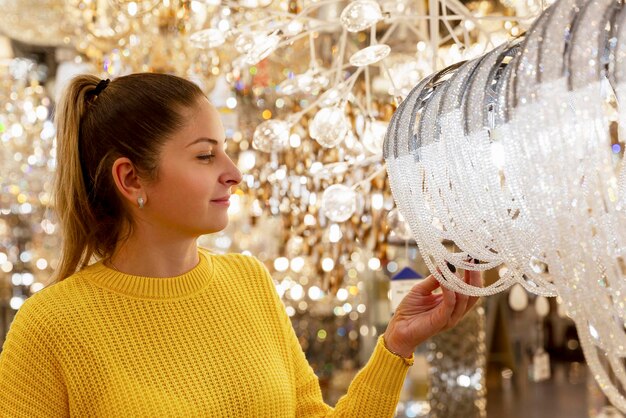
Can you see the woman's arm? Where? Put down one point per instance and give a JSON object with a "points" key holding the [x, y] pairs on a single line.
{"points": [[375, 390]]}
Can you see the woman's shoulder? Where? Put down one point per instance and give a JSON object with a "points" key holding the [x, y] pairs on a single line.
{"points": [[58, 290], [44, 306]]}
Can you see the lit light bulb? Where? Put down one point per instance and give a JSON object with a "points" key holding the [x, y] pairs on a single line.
{"points": [[335, 233], [281, 264], [342, 294], [297, 264], [328, 264]]}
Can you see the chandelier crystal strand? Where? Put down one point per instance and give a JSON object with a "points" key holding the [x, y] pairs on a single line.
{"points": [[477, 153], [619, 79], [590, 190], [476, 237], [524, 81], [586, 79], [417, 213], [432, 235], [400, 165], [472, 236], [498, 190], [519, 76], [443, 187], [510, 204]]}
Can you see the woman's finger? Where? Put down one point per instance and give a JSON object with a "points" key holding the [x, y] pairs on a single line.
{"points": [[459, 309], [427, 286], [473, 278], [448, 305]]}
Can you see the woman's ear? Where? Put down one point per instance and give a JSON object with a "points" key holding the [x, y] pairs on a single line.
{"points": [[127, 180]]}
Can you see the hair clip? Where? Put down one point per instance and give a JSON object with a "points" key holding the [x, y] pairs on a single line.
{"points": [[101, 86]]}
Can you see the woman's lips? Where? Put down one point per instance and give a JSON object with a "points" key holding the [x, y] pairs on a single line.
{"points": [[222, 201]]}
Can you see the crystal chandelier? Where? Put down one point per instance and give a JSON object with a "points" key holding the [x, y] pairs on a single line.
{"points": [[350, 63], [517, 158]]}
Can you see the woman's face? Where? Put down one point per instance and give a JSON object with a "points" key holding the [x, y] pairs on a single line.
{"points": [[195, 177]]}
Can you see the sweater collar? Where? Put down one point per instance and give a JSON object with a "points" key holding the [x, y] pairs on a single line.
{"points": [[152, 287]]}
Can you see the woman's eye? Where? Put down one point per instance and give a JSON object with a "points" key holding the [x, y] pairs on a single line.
{"points": [[206, 157]]}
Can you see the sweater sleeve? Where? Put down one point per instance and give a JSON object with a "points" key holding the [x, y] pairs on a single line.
{"points": [[31, 381], [374, 391]]}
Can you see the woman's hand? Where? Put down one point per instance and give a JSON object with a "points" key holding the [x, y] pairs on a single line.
{"points": [[422, 314]]}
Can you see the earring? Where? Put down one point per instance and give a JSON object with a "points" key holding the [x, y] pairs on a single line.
{"points": [[140, 202]]}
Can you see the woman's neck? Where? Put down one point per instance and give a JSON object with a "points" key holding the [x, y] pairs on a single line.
{"points": [[154, 258]]}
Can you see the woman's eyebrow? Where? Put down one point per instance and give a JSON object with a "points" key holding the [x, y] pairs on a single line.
{"points": [[203, 139]]}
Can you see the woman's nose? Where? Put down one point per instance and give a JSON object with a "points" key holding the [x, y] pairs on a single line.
{"points": [[231, 176]]}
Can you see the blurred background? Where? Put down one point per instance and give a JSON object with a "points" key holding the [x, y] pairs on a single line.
{"points": [[315, 204]]}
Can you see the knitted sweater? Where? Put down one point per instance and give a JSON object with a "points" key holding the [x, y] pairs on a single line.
{"points": [[213, 342]]}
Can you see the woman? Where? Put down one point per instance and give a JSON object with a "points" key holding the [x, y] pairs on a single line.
{"points": [[159, 327]]}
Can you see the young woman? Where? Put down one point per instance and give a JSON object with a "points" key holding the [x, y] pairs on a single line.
{"points": [[158, 327]]}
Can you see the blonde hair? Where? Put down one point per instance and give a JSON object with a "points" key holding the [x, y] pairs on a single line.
{"points": [[131, 117]]}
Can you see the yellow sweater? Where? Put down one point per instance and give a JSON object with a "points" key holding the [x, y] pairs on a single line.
{"points": [[214, 342]]}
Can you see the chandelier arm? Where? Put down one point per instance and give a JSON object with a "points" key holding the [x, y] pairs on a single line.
{"points": [[373, 35], [328, 168], [312, 57], [447, 25], [507, 18], [355, 75], [386, 70], [466, 38], [369, 178], [342, 51], [458, 7], [413, 29], [389, 32], [417, 17], [433, 13], [368, 95], [273, 14], [261, 22], [289, 41], [297, 116], [332, 70]]}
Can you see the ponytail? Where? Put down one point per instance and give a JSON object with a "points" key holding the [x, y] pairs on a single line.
{"points": [[70, 194], [98, 122]]}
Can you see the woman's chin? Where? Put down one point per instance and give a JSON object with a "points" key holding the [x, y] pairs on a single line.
{"points": [[214, 228]]}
